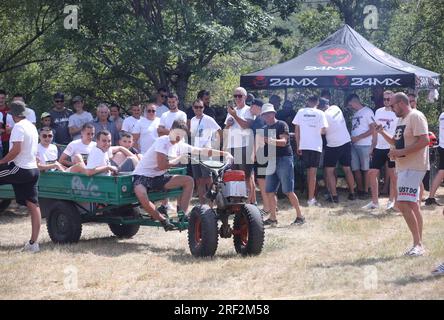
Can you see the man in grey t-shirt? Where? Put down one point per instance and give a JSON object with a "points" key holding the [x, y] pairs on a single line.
{"points": [[59, 120]]}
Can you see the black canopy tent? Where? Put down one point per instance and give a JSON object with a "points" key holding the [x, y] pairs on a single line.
{"points": [[344, 60]]}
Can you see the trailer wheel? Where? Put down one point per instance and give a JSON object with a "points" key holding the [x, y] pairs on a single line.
{"points": [[202, 231], [4, 204], [63, 222], [125, 231], [248, 231]]}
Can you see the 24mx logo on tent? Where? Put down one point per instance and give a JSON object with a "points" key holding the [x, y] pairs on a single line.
{"points": [[360, 82], [293, 82]]}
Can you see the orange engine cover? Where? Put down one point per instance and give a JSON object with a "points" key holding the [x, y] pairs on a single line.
{"points": [[234, 175]]}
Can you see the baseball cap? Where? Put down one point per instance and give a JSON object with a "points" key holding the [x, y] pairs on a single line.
{"points": [[45, 115], [77, 99], [257, 102]]}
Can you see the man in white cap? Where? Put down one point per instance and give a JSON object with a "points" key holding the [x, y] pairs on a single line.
{"points": [[280, 169], [19, 168]]}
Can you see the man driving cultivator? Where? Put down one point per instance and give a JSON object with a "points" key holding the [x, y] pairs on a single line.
{"points": [[151, 172]]}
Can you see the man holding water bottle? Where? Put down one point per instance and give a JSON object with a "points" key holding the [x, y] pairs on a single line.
{"points": [[411, 155]]}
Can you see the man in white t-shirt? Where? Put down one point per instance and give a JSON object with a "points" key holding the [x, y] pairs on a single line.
{"points": [[167, 119], [47, 153], [387, 119], [240, 138], [100, 159], [136, 114], [151, 172], [19, 168], [79, 118], [161, 101], [145, 131], [361, 138], [431, 200], [77, 151], [30, 113], [203, 129], [310, 123], [337, 150]]}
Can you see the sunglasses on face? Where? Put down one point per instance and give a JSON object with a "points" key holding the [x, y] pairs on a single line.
{"points": [[237, 96], [44, 136], [412, 101], [164, 96], [386, 99], [59, 101], [198, 107], [150, 111]]}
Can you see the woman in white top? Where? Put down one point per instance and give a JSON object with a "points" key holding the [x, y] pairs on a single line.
{"points": [[145, 131]]}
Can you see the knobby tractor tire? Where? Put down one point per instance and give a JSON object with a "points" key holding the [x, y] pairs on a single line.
{"points": [[4, 204], [248, 231], [202, 231], [63, 222], [125, 231]]}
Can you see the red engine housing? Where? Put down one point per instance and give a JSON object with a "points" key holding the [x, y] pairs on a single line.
{"points": [[234, 175]]}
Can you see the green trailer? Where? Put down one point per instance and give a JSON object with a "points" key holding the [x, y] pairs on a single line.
{"points": [[69, 200]]}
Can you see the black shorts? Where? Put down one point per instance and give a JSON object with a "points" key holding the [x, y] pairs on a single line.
{"points": [[199, 171], [242, 161], [379, 158], [311, 158], [441, 158], [152, 183], [341, 154], [260, 170], [24, 182]]}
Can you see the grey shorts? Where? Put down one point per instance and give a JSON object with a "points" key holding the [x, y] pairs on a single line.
{"points": [[360, 158], [199, 171], [408, 184]]}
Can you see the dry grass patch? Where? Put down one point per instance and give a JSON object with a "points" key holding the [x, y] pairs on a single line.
{"points": [[341, 252]]}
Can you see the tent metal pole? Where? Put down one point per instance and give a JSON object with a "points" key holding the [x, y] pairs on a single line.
{"points": [[286, 94]]}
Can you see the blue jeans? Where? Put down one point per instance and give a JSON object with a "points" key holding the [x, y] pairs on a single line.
{"points": [[283, 174]]}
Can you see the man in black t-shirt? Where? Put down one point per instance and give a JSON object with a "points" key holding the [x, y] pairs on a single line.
{"points": [[280, 164]]}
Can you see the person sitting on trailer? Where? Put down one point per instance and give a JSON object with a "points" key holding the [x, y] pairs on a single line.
{"points": [[101, 158], [151, 173], [127, 140], [77, 151], [47, 152]]}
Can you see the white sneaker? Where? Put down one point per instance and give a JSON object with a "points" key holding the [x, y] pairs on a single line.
{"points": [[31, 247], [313, 203], [370, 206], [439, 271], [390, 205], [416, 251]]}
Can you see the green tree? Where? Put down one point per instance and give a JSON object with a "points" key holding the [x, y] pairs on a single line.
{"points": [[163, 43]]}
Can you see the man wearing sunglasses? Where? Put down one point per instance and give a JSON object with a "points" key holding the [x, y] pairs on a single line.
{"points": [[60, 120], [411, 153], [379, 156], [203, 129], [47, 152], [19, 168], [240, 137], [161, 102]]}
